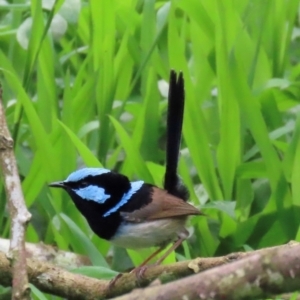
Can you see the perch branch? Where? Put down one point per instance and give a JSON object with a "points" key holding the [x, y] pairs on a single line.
{"points": [[260, 275], [17, 209], [56, 281]]}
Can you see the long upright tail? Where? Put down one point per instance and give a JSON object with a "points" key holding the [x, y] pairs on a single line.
{"points": [[172, 182]]}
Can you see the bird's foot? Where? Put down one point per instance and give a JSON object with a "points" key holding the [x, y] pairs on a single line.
{"points": [[139, 273], [113, 281]]}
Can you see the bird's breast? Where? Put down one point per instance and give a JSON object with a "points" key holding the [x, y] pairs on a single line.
{"points": [[150, 233]]}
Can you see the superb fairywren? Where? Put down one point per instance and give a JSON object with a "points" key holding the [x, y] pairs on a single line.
{"points": [[129, 214], [137, 214]]}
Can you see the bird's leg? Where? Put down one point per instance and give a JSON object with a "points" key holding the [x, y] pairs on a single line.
{"points": [[172, 248], [140, 270], [113, 281]]}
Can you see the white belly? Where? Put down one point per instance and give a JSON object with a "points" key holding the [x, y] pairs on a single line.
{"points": [[150, 233]]}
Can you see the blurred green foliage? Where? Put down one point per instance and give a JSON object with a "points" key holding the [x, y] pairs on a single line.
{"points": [[84, 83]]}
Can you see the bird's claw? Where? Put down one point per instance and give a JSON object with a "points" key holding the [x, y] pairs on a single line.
{"points": [[113, 281], [139, 273]]}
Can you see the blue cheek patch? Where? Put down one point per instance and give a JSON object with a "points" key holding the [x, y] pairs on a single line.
{"points": [[135, 186], [93, 193]]}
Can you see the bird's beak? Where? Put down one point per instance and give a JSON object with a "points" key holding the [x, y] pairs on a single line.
{"points": [[59, 184]]}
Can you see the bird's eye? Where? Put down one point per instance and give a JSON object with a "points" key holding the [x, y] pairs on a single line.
{"points": [[83, 184]]}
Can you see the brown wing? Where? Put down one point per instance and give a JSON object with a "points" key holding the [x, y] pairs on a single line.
{"points": [[163, 205]]}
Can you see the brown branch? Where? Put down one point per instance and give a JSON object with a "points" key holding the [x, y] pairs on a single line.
{"points": [[171, 272], [18, 212], [56, 281], [257, 276], [50, 254], [51, 279]]}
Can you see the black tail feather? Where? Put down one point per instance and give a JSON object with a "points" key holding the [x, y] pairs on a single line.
{"points": [[173, 183]]}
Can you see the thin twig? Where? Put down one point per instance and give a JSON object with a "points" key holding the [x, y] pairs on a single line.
{"points": [[17, 209]]}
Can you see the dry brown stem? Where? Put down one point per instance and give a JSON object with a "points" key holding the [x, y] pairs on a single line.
{"points": [[17, 209]]}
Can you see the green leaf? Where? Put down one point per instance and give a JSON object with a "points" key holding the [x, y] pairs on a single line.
{"points": [[96, 272], [36, 293], [85, 153], [136, 161]]}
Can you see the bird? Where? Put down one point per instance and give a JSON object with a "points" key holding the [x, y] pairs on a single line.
{"points": [[136, 214]]}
